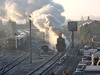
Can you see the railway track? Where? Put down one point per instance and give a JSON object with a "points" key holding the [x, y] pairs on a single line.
{"points": [[2, 61], [1, 57], [10, 66], [15, 63], [41, 70]]}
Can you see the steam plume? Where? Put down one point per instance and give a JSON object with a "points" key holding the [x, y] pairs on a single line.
{"points": [[48, 19], [45, 14], [18, 10]]}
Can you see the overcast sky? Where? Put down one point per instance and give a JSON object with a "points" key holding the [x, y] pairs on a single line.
{"points": [[74, 9]]}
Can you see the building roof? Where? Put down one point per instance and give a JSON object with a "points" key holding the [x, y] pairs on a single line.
{"points": [[94, 27], [95, 22]]}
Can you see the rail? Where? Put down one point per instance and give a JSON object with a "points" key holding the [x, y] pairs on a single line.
{"points": [[14, 63], [47, 65]]}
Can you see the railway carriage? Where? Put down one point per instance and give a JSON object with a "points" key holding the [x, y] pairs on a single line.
{"points": [[16, 41], [10, 43]]}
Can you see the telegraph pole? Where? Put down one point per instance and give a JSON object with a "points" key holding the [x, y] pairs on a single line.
{"points": [[30, 43]]}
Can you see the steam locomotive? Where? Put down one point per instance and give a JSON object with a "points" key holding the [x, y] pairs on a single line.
{"points": [[17, 41]]}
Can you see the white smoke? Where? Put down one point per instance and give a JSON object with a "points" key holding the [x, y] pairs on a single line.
{"points": [[17, 10], [48, 19], [45, 14]]}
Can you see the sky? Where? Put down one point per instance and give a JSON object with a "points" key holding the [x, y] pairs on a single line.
{"points": [[75, 9]]}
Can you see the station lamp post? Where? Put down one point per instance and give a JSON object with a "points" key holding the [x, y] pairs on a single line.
{"points": [[30, 42]]}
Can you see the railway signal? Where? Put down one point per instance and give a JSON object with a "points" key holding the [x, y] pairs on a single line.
{"points": [[72, 26]]}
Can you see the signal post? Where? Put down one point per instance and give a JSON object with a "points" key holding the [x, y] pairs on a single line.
{"points": [[72, 26]]}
